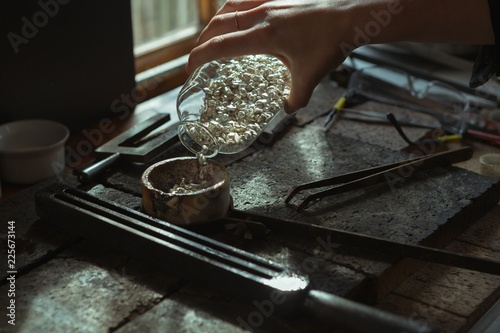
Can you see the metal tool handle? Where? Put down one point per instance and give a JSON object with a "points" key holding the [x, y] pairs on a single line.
{"points": [[355, 317], [89, 173], [198, 258], [194, 257], [258, 223]]}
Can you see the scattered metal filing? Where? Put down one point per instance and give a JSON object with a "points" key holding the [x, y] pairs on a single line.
{"points": [[377, 175], [214, 265]]}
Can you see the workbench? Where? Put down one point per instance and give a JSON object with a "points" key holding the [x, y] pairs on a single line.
{"points": [[65, 283]]}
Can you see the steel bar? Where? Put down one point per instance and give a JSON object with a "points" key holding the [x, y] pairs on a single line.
{"points": [[335, 236], [213, 264]]}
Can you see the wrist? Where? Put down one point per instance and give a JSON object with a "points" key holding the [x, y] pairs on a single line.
{"points": [[443, 21], [371, 22]]}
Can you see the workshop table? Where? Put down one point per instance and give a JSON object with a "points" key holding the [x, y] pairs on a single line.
{"points": [[68, 284]]}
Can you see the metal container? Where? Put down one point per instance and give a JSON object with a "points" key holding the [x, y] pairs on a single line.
{"points": [[165, 195]]}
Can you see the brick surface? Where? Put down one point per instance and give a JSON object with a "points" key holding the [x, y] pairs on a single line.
{"points": [[74, 285]]}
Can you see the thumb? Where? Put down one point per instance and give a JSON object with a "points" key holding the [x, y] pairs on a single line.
{"points": [[300, 93]]}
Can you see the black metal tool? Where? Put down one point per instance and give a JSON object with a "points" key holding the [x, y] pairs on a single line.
{"points": [[215, 265], [138, 144], [377, 175], [328, 236]]}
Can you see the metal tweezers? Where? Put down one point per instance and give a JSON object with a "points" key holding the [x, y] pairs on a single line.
{"points": [[377, 175]]}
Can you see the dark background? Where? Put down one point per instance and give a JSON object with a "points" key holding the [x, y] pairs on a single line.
{"points": [[72, 69]]}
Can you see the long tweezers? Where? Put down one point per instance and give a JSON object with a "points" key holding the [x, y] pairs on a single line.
{"points": [[377, 175]]}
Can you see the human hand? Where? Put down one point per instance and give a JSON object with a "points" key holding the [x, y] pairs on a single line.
{"points": [[313, 37], [299, 33]]}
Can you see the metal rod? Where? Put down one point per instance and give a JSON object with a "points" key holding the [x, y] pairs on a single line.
{"points": [[331, 236], [377, 175], [214, 264]]}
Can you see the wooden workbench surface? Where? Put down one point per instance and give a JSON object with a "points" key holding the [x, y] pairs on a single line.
{"points": [[65, 283]]}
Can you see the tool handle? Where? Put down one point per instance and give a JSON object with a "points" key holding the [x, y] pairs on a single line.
{"points": [[200, 259], [89, 173], [354, 317]]}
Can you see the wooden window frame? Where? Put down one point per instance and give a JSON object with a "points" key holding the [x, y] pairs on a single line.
{"points": [[153, 82]]}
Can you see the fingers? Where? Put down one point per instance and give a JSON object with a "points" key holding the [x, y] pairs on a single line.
{"points": [[233, 16], [304, 80], [225, 46], [262, 27], [240, 5], [300, 93], [229, 22], [233, 31], [223, 24]]}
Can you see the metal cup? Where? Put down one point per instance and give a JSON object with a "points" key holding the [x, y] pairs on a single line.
{"points": [[208, 203]]}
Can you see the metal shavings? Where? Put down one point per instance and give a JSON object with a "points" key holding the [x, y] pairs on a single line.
{"points": [[188, 187]]}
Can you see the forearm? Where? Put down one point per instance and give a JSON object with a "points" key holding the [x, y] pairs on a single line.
{"points": [[433, 21]]}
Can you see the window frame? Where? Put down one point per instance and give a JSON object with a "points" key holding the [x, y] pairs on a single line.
{"points": [[151, 82]]}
